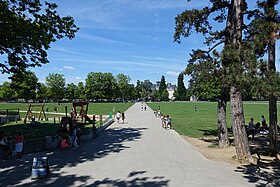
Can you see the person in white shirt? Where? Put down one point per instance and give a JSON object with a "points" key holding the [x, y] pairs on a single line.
{"points": [[118, 116]]}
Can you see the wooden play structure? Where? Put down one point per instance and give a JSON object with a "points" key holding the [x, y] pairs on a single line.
{"points": [[30, 114], [83, 111]]}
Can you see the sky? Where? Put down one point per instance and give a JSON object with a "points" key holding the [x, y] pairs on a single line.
{"points": [[132, 37]]}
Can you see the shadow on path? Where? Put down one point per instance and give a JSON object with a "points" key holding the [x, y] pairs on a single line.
{"points": [[134, 180], [111, 141], [263, 174]]}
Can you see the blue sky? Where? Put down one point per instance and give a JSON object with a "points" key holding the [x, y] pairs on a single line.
{"points": [[133, 37]]}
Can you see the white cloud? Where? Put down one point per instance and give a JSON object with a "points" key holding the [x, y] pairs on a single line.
{"points": [[173, 73], [59, 69], [78, 78], [68, 67], [99, 39]]}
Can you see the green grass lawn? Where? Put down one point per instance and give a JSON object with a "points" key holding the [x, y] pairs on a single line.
{"points": [[203, 122]]}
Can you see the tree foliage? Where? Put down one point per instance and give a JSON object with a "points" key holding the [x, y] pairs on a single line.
{"points": [[55, 86], [25, 86], [27, 29], [180, 93], [100, 86]]}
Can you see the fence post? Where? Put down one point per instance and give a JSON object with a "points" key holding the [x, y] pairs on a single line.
{"points": [[100, 120], [54, 120], [7, 112]]}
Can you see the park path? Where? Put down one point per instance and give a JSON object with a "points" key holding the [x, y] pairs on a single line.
{"points": [[137, 153]]}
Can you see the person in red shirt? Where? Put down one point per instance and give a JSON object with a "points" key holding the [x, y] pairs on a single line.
{"points": [[19, 144]]}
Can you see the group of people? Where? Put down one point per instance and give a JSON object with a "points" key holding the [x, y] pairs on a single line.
{"points": [[261, 128], [71, 134], [119, 116], [143, 106], [16, 146], [166, 121]]}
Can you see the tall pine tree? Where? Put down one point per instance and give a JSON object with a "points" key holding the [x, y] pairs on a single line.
{"points": [[181, 89]]}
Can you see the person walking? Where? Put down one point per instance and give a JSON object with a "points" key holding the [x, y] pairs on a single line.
{"points": [[123, 117], [118, 116]]}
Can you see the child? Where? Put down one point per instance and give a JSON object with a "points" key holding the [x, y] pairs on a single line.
{"points": [[19, 144], [118, 116]]}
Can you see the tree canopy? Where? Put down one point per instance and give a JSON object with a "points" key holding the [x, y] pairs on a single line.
{"points": [[27, 28]]}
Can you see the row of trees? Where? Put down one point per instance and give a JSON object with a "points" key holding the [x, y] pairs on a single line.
{"points": [[245, 41], [97, 86]]}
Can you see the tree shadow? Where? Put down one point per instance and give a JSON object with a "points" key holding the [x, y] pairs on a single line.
{"points": [[209, 132], [134, 179], [266, 171], [111, 141]]}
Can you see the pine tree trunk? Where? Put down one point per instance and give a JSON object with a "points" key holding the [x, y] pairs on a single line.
{"points": [[272, 98], [237, 114], [222, 123], [238, 126]]}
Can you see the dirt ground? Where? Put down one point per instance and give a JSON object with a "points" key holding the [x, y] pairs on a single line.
{"points": [[265, 170], [208, 148]]}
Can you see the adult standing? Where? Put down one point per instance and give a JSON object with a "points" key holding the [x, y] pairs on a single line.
{"points": [[4, 144], [19, 144], [251, 128], [123, 117]]}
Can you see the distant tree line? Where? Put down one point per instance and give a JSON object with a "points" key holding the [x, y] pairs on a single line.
{"points": [[97, 87]]}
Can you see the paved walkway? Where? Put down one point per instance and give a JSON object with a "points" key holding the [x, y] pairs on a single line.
{"points": [[137, 153]]}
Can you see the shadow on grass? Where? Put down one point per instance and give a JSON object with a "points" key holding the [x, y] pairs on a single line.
{"points": [[111, 141], [209, 132]]}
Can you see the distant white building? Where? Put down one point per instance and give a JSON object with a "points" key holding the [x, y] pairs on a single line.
{"points": [[171, 89]]}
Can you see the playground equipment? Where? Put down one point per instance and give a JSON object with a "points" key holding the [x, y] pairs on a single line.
{"points": [[29, 114], [83, 112]]}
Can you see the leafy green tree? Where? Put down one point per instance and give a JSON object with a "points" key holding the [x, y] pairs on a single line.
{"points": [[165, 95], [81, 91], [155, 95], [56, 86], [138, 89], [42, 91], [7, 91], [27, 29], [71, 91], [123, 85], [205, 83], [100, 86], [25, 85], [180, 93], [144, 89]]}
